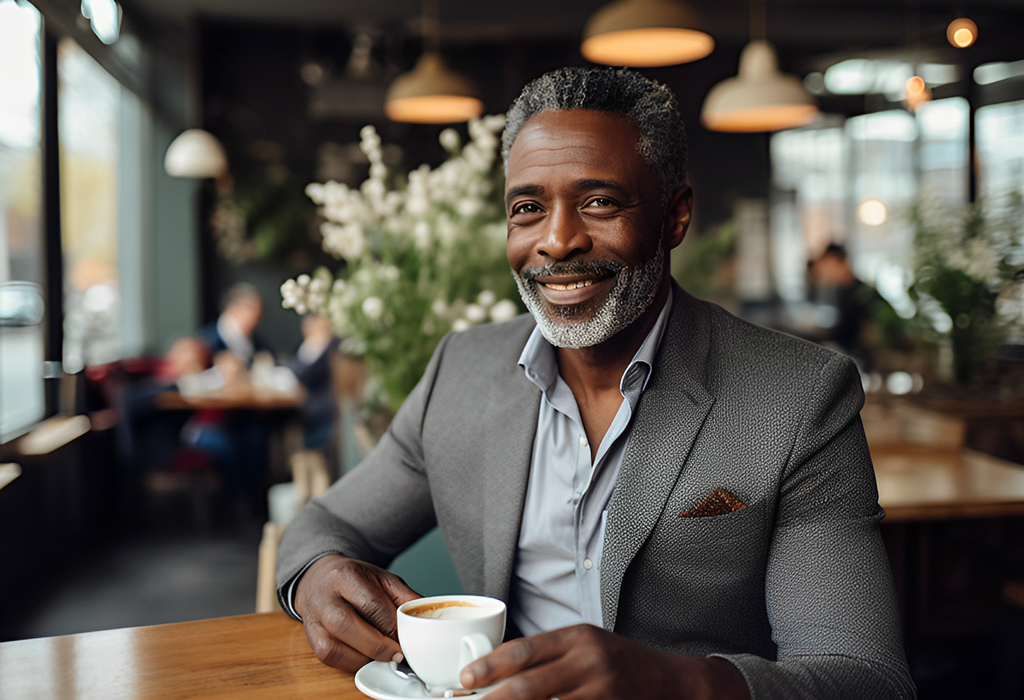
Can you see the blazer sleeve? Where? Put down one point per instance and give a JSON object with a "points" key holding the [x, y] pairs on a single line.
{"points": [[828, 588], [379, 508]]}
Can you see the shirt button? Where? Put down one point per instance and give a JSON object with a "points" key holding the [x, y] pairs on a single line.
{"points": [[583, 440], [587, 564]]}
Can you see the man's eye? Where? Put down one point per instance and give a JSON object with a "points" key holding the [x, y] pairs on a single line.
{"points": [[525, 208], [601, 202]]}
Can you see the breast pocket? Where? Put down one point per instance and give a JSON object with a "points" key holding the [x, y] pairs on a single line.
{"points": [[744, 524]]}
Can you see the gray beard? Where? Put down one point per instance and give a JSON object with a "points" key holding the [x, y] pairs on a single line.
{"points": [[582, 325]]}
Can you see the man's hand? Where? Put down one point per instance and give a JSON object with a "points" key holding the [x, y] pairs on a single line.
{"points": [[348, 611], [583, 662]]}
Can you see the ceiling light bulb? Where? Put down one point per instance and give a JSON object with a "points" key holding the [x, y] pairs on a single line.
{"points": [[962, 32], [644, 34], [759, 98], [432, 94], [195, 153]]}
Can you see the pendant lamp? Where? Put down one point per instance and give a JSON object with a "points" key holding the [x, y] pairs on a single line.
{"points": [[431, 93], [759, 98], [645, 33], [195, 153]]}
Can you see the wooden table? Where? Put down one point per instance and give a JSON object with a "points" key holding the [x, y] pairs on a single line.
{"points": [[920, 483], [251, 656], [239, 398]]}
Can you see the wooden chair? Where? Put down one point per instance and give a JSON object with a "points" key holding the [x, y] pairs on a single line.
{"points": [[309, 474]]}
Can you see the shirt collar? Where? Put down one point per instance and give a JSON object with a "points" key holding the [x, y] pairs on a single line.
{"points": [[541, 367]]}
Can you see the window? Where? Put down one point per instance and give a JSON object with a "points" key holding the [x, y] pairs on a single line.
{"points": [[1000, 131], [89, 99], [21, 233]]}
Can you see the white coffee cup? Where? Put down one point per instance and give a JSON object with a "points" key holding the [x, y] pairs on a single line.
{"points": [[441, 635]]}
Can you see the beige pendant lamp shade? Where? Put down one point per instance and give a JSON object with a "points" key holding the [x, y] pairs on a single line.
{"points": [[195, 153], [760, 98], [432, 94], [645, 33]]}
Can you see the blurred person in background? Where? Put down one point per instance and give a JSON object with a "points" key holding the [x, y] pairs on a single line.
{"points": [[312, 367], [833, 284], [234, 331]]}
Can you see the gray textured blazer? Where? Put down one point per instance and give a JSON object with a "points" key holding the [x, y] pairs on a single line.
{"points": [[794, 589]]}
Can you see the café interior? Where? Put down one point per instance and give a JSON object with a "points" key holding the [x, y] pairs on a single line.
{"points": [[324, 179]]}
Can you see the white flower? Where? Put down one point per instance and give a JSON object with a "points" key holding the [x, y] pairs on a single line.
{"points": [[504, 310], [439, 307], [469, 207], [449, 139], [421, 234], [373, 307], [346, 241], [486, 298], [302, 280], [315, 191], [475, 313], [390, 273], [460, 325]]}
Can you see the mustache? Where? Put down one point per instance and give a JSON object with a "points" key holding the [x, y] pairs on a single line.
{"points": [[602, 268]]}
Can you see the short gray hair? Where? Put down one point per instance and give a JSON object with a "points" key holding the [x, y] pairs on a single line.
{"points": [[648, 105]]}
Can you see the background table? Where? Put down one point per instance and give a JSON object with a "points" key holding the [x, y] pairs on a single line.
{"points": [[916, 482], [249, 656]]}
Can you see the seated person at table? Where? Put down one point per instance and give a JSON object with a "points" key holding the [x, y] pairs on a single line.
{"points": [[674, 503], [235, 329], [312, 367], [148, 436]]}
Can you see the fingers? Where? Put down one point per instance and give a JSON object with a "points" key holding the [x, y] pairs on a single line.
{"points": [[331, 651], [359, 633], [349, 610], [547, 680], [512, 657]]}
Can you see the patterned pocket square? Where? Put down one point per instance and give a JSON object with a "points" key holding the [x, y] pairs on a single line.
{"points": [[718, 502]]}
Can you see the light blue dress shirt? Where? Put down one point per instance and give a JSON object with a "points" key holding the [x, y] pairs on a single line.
{"points": [[557, 577]]}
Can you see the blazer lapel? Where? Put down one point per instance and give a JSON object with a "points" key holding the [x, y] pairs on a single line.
{"points": [[669, 416], [507, 470]]}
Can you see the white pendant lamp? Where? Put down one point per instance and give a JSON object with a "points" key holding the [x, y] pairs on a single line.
{"points": [[195, 153], [431, 93], [759, 98], [645, 33]]}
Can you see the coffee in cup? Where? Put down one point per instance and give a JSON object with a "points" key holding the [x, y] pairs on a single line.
{"points": [[441, 635]]}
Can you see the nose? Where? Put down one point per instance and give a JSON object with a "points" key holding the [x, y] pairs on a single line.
{"points": [[565, 235]]}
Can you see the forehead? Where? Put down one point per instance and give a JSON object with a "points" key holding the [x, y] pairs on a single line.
{"points": [[575, 140]]}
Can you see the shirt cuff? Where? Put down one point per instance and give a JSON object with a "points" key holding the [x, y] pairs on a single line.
{"points": [[286, 593]]}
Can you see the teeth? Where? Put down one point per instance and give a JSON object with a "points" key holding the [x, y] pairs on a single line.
{"points": [[571, 285]]}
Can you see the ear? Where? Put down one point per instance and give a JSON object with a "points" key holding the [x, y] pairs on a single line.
{"points": [[677, 216]]}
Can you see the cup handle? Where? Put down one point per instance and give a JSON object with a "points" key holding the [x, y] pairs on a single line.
{"points": [[473, 647]]}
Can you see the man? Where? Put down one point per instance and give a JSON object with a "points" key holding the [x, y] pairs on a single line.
{"points": [[675, 503], [234, 331]]}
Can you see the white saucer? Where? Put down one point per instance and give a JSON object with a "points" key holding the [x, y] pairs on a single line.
{"points": [[377, 680]]}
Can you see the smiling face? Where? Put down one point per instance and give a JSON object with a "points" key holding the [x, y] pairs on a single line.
{"points": [[588, 233]]}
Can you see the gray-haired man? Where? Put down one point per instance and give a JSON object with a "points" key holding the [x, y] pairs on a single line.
{"points": [[675, 503]]}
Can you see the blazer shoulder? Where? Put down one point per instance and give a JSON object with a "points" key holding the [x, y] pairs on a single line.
{"points": [[491, 342]]}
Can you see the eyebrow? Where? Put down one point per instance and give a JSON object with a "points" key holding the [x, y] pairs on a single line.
{"points": [[583, 185]]}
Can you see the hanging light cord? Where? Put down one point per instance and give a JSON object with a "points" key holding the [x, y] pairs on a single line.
{"points": [[431, 26], [758, 19]]}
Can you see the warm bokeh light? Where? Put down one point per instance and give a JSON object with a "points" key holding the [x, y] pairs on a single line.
{"points": [[434, 109], [917, 93], [648, 47], [915, 86], [962, 32], [872, 212]]}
